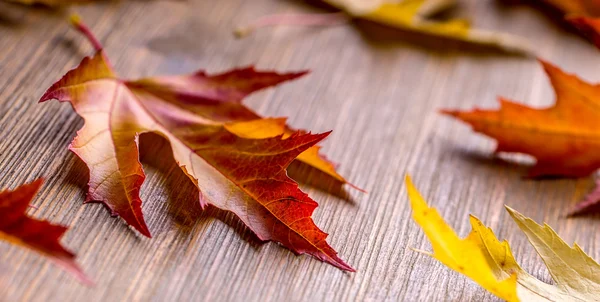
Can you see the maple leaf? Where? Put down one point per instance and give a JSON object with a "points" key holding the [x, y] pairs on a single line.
{"points": [[246, 176], [408, 15], [412, 15], [569, 131], [490, 263], [41, 236], [461, 255]]}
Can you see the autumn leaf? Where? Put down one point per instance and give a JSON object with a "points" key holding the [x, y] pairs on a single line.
{"points": [[569, 131], [407, 15], [41, 236], [461, 255], [246, 176], [412, 15], [490, 263]]}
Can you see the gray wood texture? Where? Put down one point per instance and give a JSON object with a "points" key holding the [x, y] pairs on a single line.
{"points": [[378, 90]]}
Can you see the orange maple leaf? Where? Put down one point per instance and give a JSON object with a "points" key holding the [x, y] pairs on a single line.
{"points": [[235, 169], [40, 236], [563, 138]]}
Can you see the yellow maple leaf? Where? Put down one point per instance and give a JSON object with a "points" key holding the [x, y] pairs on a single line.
{"points": [[407, 15], [490, 263], [411, 15]]}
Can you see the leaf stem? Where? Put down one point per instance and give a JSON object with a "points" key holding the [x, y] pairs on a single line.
{"points": [[82, 28], [330, 19]]}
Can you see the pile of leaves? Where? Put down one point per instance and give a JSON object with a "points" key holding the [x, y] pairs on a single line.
{"points": [[238, 159]]}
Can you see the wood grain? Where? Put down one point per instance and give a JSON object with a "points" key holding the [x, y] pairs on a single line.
{"points": [[377, 92]]}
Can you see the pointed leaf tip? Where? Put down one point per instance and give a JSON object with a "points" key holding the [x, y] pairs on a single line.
{"points": [[414, 196], [408, 182], [509, 209], [548, 67], [339, 263], [449, 112], [143, 228]]}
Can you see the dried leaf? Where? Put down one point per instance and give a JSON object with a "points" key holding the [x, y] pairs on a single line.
{"points": [[576, 275], [41, 236], [243, 175], [569, 131], [412, 15]]}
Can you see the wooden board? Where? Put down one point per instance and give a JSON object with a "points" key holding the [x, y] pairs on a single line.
{"points": [[377, 92]]}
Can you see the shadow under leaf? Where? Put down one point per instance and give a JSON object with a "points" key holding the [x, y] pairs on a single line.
{"points": [[315, 178], [518, 169], [494, 161], [183, 196], [382, 37]]}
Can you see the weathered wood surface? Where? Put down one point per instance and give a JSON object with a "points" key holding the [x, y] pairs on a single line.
{"points": [[379, 95]]}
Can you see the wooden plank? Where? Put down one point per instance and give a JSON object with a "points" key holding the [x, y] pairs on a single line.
{"points": [[380, 95]]}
